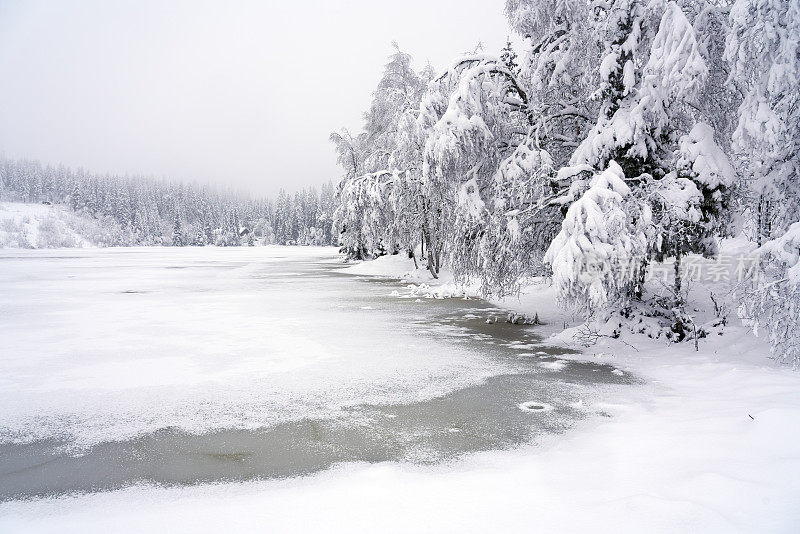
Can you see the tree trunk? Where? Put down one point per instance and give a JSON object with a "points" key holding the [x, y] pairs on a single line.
{"points": [[678, 297], [760, 220], [431, 263], [431, 266], [764, 220], [639, 289]]}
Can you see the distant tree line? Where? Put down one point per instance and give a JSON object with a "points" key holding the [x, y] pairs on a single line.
{"points": [[145, 211]]}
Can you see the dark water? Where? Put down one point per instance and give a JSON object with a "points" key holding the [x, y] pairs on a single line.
{"points": [[481, 417]]}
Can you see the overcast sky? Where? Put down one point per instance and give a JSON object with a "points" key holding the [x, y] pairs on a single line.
{"points": [[240, 93]]}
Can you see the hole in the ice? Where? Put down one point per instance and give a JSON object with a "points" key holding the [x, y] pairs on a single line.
{"points": [[533, 406]]}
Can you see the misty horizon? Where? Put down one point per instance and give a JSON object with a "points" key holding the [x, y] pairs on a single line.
{"points": [[205, 98]]}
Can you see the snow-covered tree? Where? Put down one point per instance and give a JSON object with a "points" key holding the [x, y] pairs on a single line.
{"points": [[509, 57], [651, 75], [718, 99], [399, 90], [521, 224], [364, 214], [177, 232], [690, 208], [773, 306], [349, 152], [558, 69], [763, 49], [199, 238], [485, 118], [75, 198], [596, 257]]}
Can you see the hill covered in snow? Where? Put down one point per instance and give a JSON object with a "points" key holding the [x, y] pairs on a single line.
{"points": [[28, 225]]}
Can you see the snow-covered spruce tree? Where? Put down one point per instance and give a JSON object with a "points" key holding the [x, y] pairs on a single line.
{"points": [[199, 238], [509, 57], [177, 232], [625, 24], [234, 230], [690, 203], [75, 198], [690, 210], [327, 204], [208, 232], [650, 78], [596, 256], [634, 126], [3, 181]]}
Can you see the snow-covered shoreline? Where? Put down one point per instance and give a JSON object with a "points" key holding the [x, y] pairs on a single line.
{"points": [[716, 429]]}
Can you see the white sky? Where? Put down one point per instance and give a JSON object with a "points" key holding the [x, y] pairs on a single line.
{"points": [[240, 93]]}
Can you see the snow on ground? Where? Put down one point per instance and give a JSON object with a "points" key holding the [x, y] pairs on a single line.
{"points": [[538, 298], [708, 443], [32, 225], [26, 225]]}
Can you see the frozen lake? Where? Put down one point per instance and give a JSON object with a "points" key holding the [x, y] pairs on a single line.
{"points": [[193, 365]]}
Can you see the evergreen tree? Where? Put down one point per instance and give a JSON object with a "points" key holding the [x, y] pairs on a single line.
{"points": [[177, 232], [509, 57], [75, 198], [681, 182], [199, 239]]}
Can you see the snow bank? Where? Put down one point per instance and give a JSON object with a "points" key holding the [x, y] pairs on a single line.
{"points": [[536, 299], [390, 266]]}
